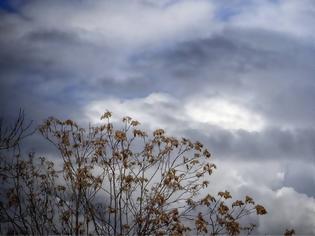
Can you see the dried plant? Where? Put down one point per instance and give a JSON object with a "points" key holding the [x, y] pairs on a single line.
{"points": [[11, 136], [117, 181]]}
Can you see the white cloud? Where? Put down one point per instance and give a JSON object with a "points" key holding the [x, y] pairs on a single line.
{"points": [[131, 23], [154, 108], [151, 109], [225, 114], [280, 175], [296, 18], [286, 207]]}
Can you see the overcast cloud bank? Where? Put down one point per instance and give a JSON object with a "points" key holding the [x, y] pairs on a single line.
{"points": [[236, 75]]}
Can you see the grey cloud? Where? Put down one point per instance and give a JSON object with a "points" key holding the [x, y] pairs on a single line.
{"points": [[273, 77], [285, 205], [49, 68], [268, 144], [300, 176], [287, 209], [51, 36]]}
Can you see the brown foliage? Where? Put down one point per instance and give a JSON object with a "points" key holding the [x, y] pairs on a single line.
{"points": [[117, 181], [289, 232]]}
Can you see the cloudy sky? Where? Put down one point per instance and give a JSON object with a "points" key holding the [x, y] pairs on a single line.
{"points": [[238, 75]]}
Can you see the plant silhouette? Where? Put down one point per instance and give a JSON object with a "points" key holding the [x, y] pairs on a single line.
{"points": [[116, 181]]}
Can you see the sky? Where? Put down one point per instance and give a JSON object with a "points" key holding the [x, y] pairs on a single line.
{"points": [[237, 75]]}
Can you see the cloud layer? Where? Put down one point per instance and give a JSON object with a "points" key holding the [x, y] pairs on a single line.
{"points": [[236, 75]]}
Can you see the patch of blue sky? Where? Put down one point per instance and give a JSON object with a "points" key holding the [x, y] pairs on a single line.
{"points": [[11, 6], [225, 14], [6, 6]]}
